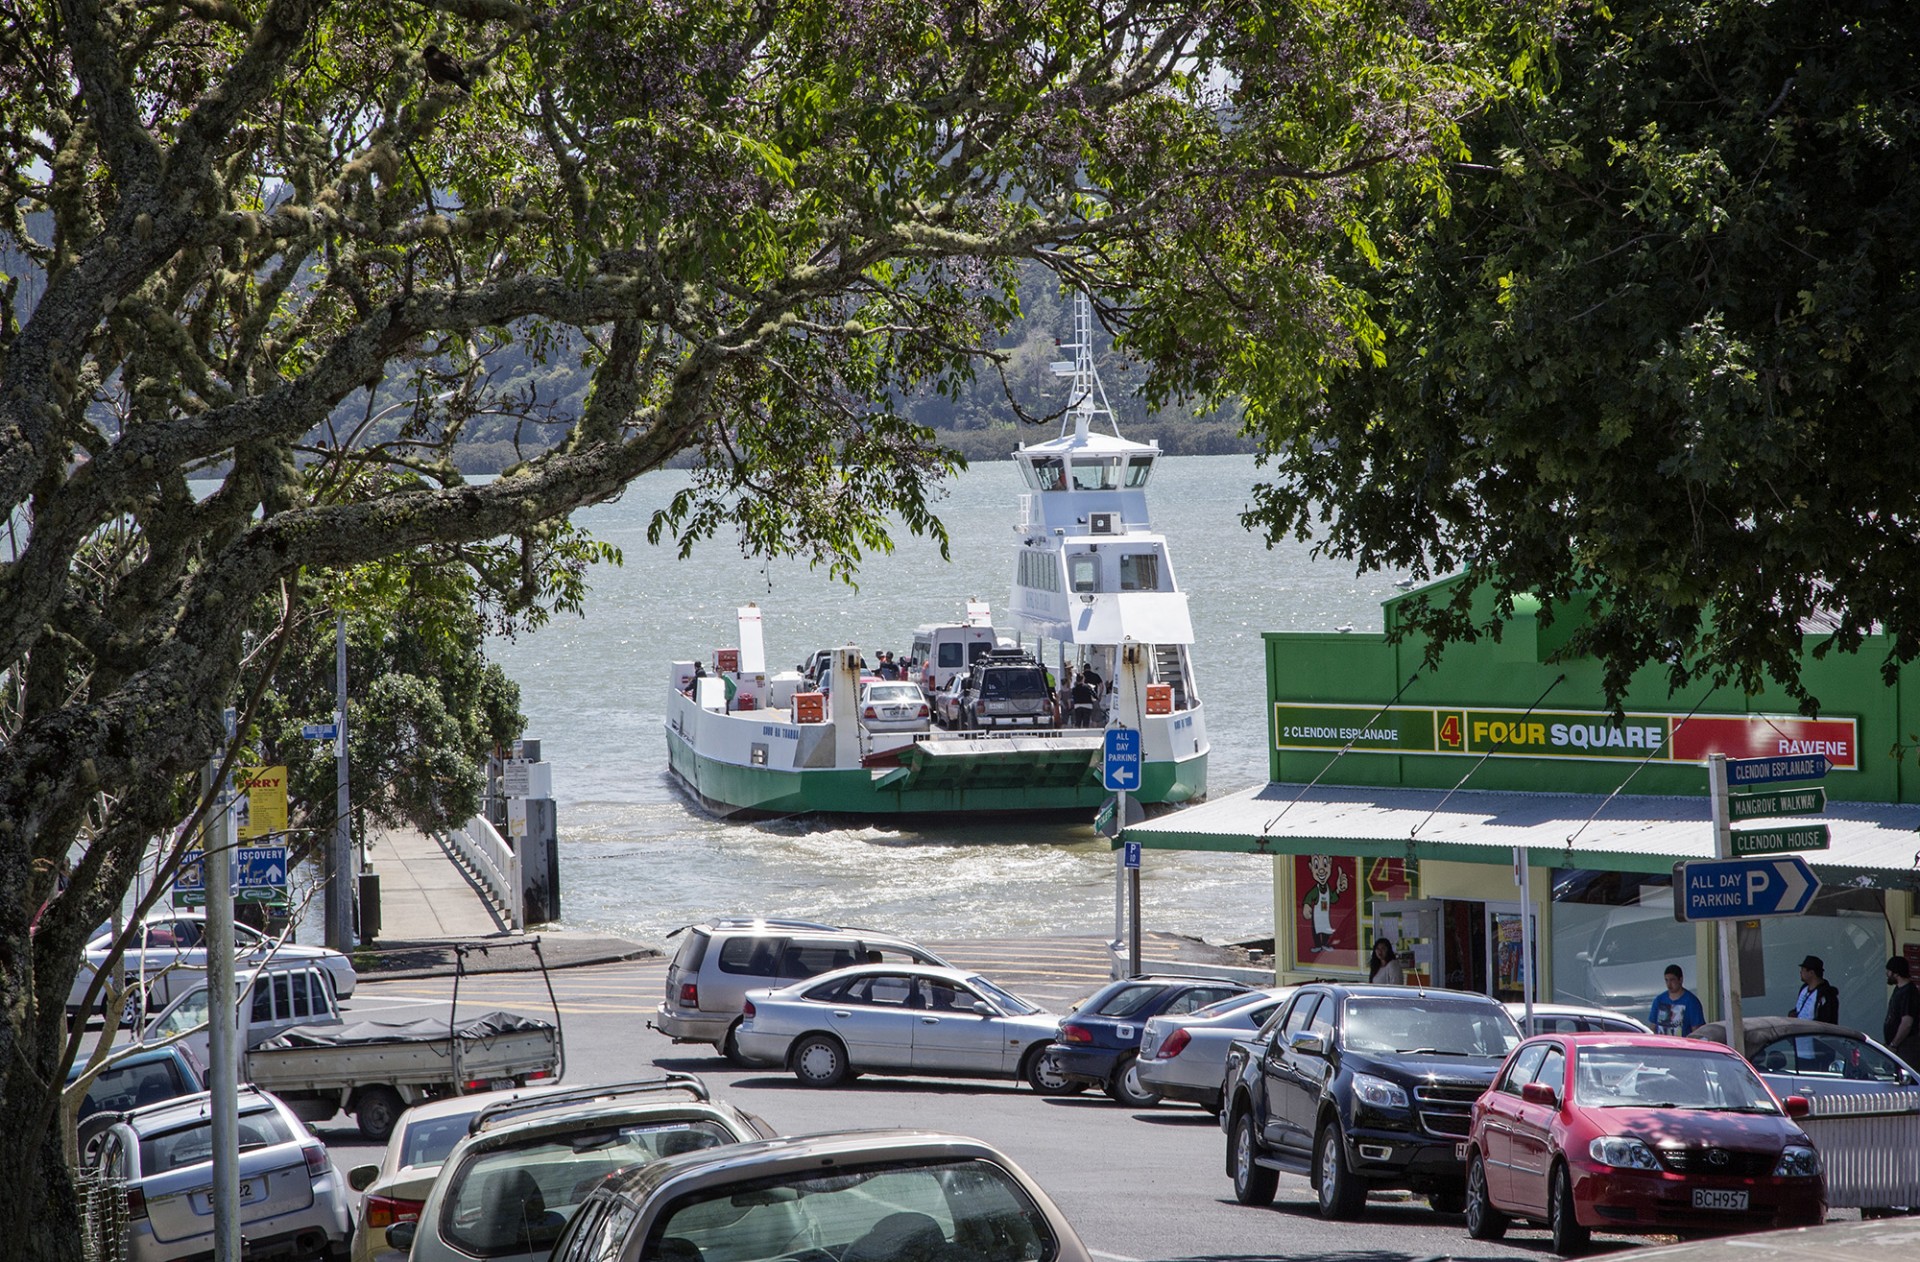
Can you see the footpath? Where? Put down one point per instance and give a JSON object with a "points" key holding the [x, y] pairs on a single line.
{"points": [[432, 912]]}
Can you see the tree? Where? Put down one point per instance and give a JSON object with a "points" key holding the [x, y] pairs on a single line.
{"points": [[1656, 364], [756, 223]]}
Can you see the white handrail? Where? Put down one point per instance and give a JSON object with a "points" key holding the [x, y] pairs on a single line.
{"points": [[495, 861]]}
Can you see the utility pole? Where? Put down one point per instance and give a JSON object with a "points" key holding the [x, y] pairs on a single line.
{"points": [[223, 1067], [1723, 930], [339, 866]]}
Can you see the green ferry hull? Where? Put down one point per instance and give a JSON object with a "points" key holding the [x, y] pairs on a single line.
{"points": [[727, 788]]}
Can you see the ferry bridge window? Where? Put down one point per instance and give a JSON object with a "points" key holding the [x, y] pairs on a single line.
{"points": [[1139, 469], [1086, 573], [1139, 572], [1096, 475], [1049, 475]]}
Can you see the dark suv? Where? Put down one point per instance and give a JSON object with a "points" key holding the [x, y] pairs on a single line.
{"points": [[1006, 688], [1362, 1087], [1099, 1044]]}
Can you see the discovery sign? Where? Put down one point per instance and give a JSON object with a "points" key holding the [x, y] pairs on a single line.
{"points": [[1571, 734]]}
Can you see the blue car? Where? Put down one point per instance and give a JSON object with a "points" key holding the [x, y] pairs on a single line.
{"points": [[1099, 1044], [133, 1081]]}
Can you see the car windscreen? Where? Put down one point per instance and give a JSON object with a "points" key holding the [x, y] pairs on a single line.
{"points": [[1668, 1078], [130, 1086], [959, 1210], [1009, 1002], [428, 1141], [1836, 1056], [193, 1143], [1428, 1026], [518, 1197], [893, 694], [1012, 683], [1221, 1007], [1125, 1000]]}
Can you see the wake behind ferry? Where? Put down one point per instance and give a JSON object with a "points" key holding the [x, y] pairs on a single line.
{"points": [[970, 718]]}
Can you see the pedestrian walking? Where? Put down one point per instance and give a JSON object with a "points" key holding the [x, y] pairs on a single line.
{"points": [[1818, 1000], [1677, 1010], [1902, 1030], [1385, 968]]}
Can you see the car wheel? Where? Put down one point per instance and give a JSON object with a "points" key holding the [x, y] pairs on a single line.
{"points": [[1569, 1237], [1043, 1073], [819, 1061], [1252, 1184], [1125, 1087], [133, 1006], [376, 1110], [1484, 1222], [730, 1047], [1342, 1196]]}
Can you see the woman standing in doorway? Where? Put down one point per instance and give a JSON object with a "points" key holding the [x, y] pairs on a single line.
{"points": [[1386, 968]]}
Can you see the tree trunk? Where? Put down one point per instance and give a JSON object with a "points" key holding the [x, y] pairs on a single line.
{"points": [[39, 1213]]}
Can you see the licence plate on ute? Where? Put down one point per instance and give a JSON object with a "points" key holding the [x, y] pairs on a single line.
{"points": [[1716, 1198]]}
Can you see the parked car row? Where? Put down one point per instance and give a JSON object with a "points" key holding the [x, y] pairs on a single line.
{"points": [[1584, 1121], [167, 955], [659, 1170]]}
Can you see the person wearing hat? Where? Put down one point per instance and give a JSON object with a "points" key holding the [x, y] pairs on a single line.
{"points": [[1817, 1000], [1902, 1030]]}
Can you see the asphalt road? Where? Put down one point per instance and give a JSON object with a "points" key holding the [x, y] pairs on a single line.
{"points": [[1138, 1185]]}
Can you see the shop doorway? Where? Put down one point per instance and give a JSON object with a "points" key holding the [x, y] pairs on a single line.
{"points": [[1480, 948]]}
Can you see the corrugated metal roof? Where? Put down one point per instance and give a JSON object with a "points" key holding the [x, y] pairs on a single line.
{"points": [[1871, 841]]}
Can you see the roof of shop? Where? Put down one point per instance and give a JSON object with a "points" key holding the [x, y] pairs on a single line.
{"points": [[1641, 834]]}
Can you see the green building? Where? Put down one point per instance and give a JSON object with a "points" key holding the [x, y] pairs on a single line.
{"points": [[1402, 800]]}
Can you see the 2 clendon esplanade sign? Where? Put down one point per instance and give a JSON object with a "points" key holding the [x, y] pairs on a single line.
{"points": [[1590, 734]]}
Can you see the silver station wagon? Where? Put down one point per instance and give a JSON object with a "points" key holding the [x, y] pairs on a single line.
{"points": [[876, 1018]]}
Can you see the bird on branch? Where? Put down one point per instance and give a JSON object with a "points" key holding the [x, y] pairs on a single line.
{"points": [[443, 67]]}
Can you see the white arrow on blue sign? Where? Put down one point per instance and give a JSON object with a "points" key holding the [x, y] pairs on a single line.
{"points": [[260, 867], [1744, 771], [1123, 759], [320, 731], [1741, 889]]}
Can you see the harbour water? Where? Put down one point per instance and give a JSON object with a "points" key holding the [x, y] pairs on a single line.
{"points": [[638, 858]]}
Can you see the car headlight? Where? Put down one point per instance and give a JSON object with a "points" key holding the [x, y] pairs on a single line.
{"points": [[1378, 1092], [1622, 1152], [1797, 1163]]}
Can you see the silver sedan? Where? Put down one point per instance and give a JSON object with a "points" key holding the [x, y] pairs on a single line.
{"points": [[893, 1019], [1185, 1057]]}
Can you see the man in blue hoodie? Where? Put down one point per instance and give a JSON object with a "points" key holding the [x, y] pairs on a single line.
{"points": [[1678, 1010]]}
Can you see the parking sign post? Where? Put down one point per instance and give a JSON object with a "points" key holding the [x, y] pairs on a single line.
{"points": [[1724, 931]]}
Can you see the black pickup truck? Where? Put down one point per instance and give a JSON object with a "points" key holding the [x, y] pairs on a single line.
{"points": [[1361, 1087]]}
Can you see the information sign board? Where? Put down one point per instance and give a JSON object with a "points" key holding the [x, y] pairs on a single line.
{"points": [[1743, 806], [1123, 759], [1781, 840], [1743, 889]]}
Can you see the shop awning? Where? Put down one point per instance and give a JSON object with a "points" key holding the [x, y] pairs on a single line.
{"points": [[1873, 844]]}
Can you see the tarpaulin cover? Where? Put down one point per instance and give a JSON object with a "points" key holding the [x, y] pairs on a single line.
{"points": [[424, 1030]]}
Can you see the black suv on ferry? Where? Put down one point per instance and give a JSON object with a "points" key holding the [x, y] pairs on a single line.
{"points": [[1362, 1087], [1006, 688]]}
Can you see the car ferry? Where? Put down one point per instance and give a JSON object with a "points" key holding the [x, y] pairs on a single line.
{"points": [[1094, 599]]}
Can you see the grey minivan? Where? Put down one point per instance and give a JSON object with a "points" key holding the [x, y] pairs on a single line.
{"points": [[719, 962]]}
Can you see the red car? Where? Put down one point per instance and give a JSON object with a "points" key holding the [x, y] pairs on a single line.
{"points": [[1636, 1133]]}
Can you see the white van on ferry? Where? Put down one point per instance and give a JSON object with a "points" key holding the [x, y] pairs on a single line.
{"points": [[945, 649]]}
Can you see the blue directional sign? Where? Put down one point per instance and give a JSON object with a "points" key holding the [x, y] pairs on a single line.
{"points": [[1123, 759], [1131, 858], [1745, 771], [1742, 889], [190, 885], [320, 731], [259, 873]]}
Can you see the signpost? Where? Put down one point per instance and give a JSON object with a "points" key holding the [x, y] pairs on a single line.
{"points": [[1745, 771], [1123, 760], [1745, 806], [1122, 775], [260, 874], [1744, 889], [1782, 840]]}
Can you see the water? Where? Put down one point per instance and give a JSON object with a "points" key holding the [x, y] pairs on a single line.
{"points": [[639, 859]]}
